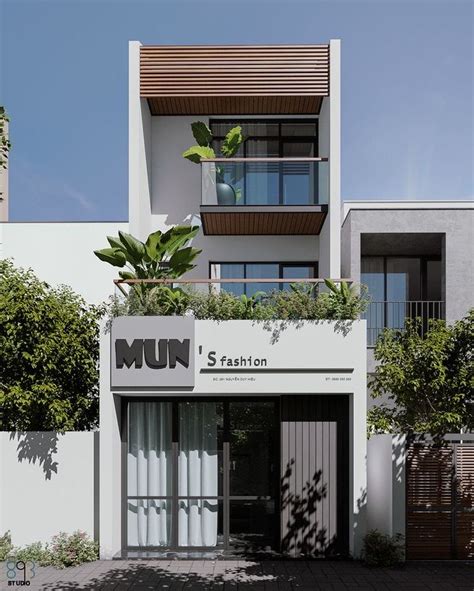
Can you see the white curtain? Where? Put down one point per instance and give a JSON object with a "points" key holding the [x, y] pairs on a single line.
{"points": [[149, 473], [198, 470]]}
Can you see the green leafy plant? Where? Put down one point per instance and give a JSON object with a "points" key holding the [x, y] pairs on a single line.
{"points": [[302, 302], [382, 550], [203, 136], [428, 380], [6, 546], [5, 144], [204, 150], [342, 300], [164, 255], [37, 552], [64, 550], [72, 549], [49, 354]]}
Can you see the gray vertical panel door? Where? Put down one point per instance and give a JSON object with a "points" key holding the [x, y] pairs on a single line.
{"points": [[314, 475]]}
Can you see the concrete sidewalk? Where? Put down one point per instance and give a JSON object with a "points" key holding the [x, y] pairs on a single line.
{"points": [[179, 575]]}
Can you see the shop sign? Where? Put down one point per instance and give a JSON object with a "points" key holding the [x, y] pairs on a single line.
{"points": [[152, 352]]}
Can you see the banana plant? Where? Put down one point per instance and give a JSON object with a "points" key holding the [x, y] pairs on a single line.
{"points": [[251, 302], [203, 150], [164, 255], [344, 292]]}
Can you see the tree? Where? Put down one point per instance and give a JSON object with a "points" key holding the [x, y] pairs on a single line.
{"points": [[5, 144], [429, 380], [49, 353]]}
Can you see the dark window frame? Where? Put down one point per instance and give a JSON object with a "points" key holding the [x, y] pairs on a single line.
{"points": [[424, 260], [281, 265], [225, 498], [281, 139]]}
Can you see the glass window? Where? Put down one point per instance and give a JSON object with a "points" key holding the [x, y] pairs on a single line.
{"points": [[298, 129], [296, 272], [433, 281], [259, 271], [149, 473], [231, 271], [149, 449], [262, 179], [249, 128], [149, 522], [373, 276], [403, 279]]}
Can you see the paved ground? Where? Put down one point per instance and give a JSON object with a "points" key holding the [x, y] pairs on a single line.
{"points": [[252, 576]]}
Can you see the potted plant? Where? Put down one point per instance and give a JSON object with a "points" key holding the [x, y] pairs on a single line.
{"points": [[226, 193]]}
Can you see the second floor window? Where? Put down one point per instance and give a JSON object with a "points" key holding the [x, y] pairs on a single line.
{"points": [[261, 271], [273, 183]]}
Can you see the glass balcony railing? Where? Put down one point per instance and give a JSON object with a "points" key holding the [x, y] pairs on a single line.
{"points": [[265, 181]]}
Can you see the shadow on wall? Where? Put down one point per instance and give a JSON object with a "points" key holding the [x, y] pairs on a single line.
{"points": [[38, 447], [304, 536], [360, 520], [278, 327]]}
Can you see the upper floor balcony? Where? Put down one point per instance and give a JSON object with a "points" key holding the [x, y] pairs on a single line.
{"points": [[264, 196]]}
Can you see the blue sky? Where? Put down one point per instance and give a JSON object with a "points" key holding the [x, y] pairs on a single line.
{"points": [[407, 87]]}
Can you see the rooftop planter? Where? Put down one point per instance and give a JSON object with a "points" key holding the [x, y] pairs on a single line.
{"points": [[152, 286], [304, 301]]}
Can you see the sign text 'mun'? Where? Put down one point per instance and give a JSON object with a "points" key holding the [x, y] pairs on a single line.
{"points": [[152, 352], [158, 354]]}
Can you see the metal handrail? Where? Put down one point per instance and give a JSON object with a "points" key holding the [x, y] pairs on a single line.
{"points": [[257, 159], [237, 280], [393, 314], [120, 282]]}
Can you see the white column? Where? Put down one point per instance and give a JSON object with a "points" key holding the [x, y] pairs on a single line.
{"points": [[330, 147], [110, 458], [139, 150]]}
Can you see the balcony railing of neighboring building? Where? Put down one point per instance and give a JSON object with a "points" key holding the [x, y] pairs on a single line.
{"points": [[381, 315], [264, 195]]}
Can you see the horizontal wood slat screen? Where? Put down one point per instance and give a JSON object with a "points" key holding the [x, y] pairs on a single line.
{"points": [[279, 79], [465, 501], [440, 501]]}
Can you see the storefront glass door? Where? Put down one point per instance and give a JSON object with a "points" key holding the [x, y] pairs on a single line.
{"points": [[202, 474]]}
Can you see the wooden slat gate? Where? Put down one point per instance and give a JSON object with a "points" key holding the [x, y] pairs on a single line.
{"points": [[440, 501]]}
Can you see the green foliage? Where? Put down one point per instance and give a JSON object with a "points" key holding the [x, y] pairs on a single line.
{"points": [[164, 255], [72, 549], [203, 136], [5, 144], [223, 305], [49, 353], [299, 303], [6, 546], [382, 550], [65, 550], [197, 153], [40, 554], [429, 380], [232, 142], [342, 300]]}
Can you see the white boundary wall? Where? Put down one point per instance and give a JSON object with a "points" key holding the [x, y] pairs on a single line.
{"points": [[48, 484]]}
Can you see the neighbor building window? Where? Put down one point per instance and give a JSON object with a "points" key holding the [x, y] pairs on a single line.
{"points": [[401, 288]]}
